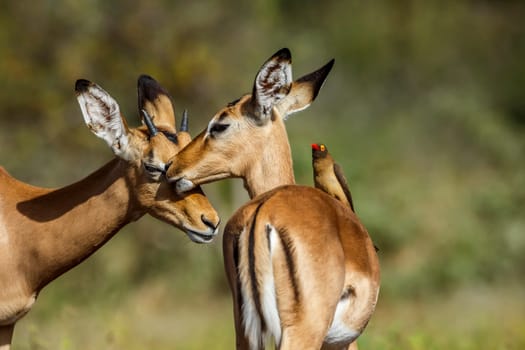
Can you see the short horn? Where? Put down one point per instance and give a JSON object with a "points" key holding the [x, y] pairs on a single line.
{"points": [[184, 122], [149, 123]]}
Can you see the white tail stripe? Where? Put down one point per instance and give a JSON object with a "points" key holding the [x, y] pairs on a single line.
{"points": [[269, 298]]}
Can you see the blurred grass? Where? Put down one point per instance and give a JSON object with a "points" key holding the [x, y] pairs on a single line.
{"points": [[159, 317], [424, 110]]}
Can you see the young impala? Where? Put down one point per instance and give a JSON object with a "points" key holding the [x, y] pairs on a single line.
{"points": [[300, 265], [45, 232]]}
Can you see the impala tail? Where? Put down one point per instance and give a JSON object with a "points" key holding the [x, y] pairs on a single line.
{"points": [[257, 284]]}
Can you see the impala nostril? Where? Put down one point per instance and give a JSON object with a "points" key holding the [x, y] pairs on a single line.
{"points": [[209, 223]]}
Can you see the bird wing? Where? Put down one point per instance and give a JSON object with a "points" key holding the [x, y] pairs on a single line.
{"points": [[342, 181]]}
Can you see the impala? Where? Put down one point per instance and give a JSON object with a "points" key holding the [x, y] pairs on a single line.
{"points": [[301, 266], [45, 232]]}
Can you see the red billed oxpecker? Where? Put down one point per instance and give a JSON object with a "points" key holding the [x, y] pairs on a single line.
{"points": [[328, 175]]}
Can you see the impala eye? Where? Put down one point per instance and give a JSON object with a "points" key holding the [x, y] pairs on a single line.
{"points": [[217, 128], [154, 169]]}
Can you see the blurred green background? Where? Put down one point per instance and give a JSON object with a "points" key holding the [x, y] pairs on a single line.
{"points": [[424, 110]]}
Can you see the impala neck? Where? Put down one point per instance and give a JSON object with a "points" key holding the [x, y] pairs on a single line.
{"points": [[69, 224], [274, 168]]}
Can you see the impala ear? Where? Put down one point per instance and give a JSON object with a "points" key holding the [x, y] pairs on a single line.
{"points": [[102, 116], [304, 91], [272, 84], [155, 100]]}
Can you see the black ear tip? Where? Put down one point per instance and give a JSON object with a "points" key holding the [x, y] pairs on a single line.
{"points": [[145, 80], [324, 70], [82, 85], [328, 67], [148, 89], [283, 53]]}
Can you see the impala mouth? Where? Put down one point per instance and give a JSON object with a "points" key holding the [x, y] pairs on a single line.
{"points": [[201, 237]]}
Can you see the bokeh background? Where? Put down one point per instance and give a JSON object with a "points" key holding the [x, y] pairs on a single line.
{"points": [[424, 110]]}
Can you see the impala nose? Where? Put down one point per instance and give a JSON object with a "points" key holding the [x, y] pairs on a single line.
{"points": [[214, 225], [182, 185]]}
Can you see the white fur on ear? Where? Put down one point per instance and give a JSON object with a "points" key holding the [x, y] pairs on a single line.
{"points": [[102, 116], [272, 84]]}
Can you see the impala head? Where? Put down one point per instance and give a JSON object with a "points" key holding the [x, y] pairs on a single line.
{"points": [[247, 138], [145, 152]]}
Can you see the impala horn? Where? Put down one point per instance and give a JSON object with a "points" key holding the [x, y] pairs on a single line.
{"points": [[149, 123], [184, 122]]}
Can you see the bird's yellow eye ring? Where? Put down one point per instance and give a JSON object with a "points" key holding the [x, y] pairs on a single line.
{"points": [[322, 148]]}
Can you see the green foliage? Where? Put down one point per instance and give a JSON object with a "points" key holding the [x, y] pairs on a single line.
{"points": [[424, 110]]}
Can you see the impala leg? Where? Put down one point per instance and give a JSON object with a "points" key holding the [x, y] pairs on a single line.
{"points": [[230, 252], [241, 342], [6, 335], [306, 332], [297, 337]]}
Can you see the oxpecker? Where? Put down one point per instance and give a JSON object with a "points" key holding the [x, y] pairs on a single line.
{"points": [[328, 175]]}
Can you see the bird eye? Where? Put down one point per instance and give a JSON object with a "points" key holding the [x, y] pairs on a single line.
{"points": [[322, 147], [217, 128]]}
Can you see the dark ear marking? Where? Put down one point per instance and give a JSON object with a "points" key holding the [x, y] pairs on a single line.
{"points": [[148, 90], [283, 54], [233, 103], [318, 77], [272, 83], [82, 85]]}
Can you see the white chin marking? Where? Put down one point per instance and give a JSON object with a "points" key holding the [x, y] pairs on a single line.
{"points": [[184, 185]]}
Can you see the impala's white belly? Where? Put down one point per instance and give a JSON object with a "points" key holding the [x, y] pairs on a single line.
{"points": [[340, 331], [353, 311]]}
